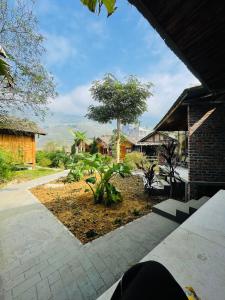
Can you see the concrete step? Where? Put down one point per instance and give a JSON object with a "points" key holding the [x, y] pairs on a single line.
{"points": [[164, 182], [178, 211], [196, 204], [169, 208], [165, 185], [157, 185]]}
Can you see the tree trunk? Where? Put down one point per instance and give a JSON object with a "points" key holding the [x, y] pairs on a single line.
{"points": [[118, 141]]}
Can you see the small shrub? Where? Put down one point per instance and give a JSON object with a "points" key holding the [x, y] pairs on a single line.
{"points": [[42, 158], [91, 233], [118, 221], [57, 158], [94, 147], [136, 212], [6, 165], [134, 159], [74, 175], [54, 159]]}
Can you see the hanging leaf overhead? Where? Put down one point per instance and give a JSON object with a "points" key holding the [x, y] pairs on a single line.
{"points": [[96, 5]]}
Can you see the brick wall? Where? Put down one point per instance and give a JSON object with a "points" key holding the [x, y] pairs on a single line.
{"points": [[206, 147]]}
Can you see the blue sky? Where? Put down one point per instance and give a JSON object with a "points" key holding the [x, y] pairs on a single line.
{"points": [[82, 47]]}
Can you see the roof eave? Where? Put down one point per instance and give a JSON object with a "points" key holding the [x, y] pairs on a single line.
{"points": [[165, 36], [173, 108]]}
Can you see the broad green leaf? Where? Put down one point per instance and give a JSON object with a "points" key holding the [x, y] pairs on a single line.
{"points": [[92, 4], [91, 180], [110, 6]]}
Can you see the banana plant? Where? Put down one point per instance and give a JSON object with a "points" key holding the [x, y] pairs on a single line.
{"points": [[94, 5], [103, 190]]}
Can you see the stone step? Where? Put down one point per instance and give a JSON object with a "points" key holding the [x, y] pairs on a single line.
{"points": [[165, 185], [196, 204], [164, 182], [178, 211], [168, 209]]}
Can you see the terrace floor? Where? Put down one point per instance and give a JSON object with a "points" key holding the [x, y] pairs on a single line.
{"points": [[194, 253], [41, 259], [180, 172]]}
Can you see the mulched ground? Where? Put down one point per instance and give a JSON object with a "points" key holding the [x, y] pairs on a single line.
{"points": [[75, 208]]}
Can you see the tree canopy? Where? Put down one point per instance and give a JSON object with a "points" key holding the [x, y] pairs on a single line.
{"points": [[119, 100], [20, 39], [4, 68], [124, 102]]}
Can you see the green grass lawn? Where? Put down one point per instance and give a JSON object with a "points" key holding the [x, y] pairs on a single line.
{"points": [[26, 175]]}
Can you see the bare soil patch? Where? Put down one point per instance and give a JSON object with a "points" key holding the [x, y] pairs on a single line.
{"points": [[76, 210]]}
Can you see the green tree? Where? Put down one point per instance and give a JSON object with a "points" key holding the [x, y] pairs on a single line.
{"points": [[113, 141], [94, 5], [120, 101], [79, 140], [94, 147], [4, 68], [19, 36]]}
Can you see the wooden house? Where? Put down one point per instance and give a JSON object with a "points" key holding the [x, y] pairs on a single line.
{"points": [[18, 137], [151, 144], [105, 145]]}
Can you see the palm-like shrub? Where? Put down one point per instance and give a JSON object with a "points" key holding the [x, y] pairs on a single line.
{"points": [[169, 154], [79, 140], [149, 175]]}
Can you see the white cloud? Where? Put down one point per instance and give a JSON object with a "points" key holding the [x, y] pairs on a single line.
{"points": [[75, 102], [169, 77], [97, 27], [59, 49], [167, 88]]}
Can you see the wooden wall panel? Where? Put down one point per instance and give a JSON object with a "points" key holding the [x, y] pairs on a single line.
{"points": [[22, 147]]}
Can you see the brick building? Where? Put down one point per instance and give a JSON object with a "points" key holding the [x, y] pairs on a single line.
{"points": [[195, 31], [202, 114]]}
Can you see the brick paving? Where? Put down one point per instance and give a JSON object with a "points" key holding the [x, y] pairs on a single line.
{"points": [[40, 259]]}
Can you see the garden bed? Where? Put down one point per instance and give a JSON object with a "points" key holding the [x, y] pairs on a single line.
{"points": [[76, 210]]}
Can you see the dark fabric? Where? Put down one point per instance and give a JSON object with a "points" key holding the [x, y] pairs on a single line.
{"points": [[148, 281]]}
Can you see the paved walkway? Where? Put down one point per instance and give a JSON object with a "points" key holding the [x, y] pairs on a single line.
{"points": [[41, 259]]}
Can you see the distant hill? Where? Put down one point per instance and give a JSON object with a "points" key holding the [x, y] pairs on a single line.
{"points": [[57, 127]]}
